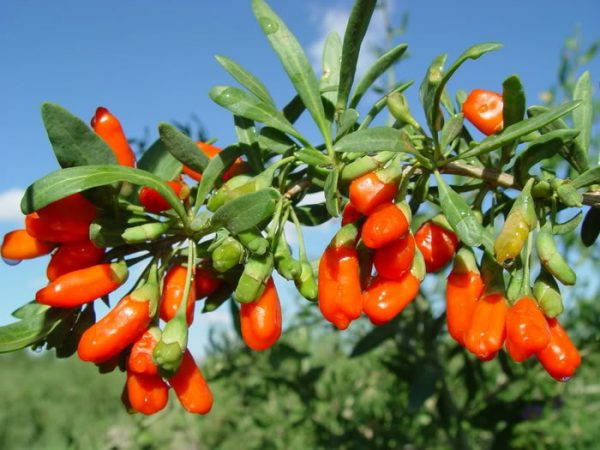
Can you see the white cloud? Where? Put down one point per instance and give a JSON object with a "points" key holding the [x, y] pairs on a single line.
{"points": [[334, 18], [10, 209]]}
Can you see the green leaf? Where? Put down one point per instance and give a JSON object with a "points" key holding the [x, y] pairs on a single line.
{"points": [[346, 122], [383, 63], [375, 338], [274, 140], [73, 142], [29, 309], [573, 153], [451, 130], [217, 166], [459, 214], [427, 91], [243, 104], [544, 147], [332, 56], [295, 63], [312, 215], [568, 226], [246, 79], [182, 147], [32, 329], [587, 178], [61, 183], [332, 196], [159, 161], [513, 110], [312, 157], [381, 103], [246, 134], [436, 80], [516, 131], [583, 117], [376, 139], [247, 211], [353, 37], [513, 97]]}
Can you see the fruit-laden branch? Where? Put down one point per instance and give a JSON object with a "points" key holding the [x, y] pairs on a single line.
{"points": [[497, 178]]}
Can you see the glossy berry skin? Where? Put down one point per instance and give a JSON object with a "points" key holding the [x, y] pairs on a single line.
{"points": [[384, 299], [108, 127], [462, 292], [484, 109], [153, 202], [65, 220], [237, 168], [487, 330], [437, 246], [527, 331], [72, 256], [340, 296], [140, 358], [72, 208], [191, 387], [172, 294], [369, 191], [19, 244], [119, 328], [560, 358], [205, 282], [82, 286], [350, 214], [261, 319], [147, 394], [395, 259], [384, 225]]}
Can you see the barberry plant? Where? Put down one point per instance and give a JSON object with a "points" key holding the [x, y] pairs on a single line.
{"points": [[207, 225]]}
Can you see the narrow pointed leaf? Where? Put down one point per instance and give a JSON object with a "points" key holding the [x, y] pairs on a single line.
{"points": [[182, 147], [332, 56], [159, 161], [459, 214], [514, 107], [427, 91], [568, 226], [452, 128], [473, 52], [294, 62], [544, 147], [217, 166], [247, 211], [381, 103], [376, 139], [247, 136], [245, 105], [517, 130], [61, 183], [587, 178], [383, 63], [573, 152], [332, 196], [246, 79], [32, 329], [73, 142], [353, 37], [346, 122], [583, 116]]}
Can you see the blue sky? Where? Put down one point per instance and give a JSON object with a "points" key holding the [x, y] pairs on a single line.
{"points": [[150, 61]]}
